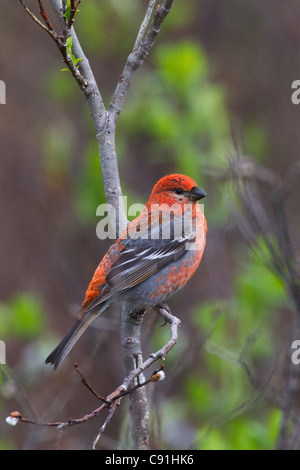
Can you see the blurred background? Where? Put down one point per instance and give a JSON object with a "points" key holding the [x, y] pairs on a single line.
{"points": [[215, 87]]}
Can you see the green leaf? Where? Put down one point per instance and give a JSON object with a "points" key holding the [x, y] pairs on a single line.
{"points": [[69, 44], [68, 11], [73, 58], [75, 61], [28, 318]]}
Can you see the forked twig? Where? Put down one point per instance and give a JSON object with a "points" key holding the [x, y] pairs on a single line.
{"points": [[113, 400], [60, 38]]}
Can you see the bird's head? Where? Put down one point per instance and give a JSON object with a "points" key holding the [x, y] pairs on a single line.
{"points": [[176, 189]]}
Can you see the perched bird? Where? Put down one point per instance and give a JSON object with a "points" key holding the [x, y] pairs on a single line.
{"points": [[153, 258]]}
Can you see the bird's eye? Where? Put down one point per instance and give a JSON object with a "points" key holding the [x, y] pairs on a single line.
{"points": [[178, 191]]}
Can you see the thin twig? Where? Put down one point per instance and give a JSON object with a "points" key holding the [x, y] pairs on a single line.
{"points": [[144, 25], [155, 377], [59, 39], [87, 385], [161, 353], [125, 388], [37, 21], [270, 218], [137, 57], [45, 16], [107, 420]]}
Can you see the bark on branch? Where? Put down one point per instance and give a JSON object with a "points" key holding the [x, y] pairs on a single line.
{"points": [[133, 383]]}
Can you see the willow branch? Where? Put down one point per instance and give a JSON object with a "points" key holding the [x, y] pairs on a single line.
{"points": [[144, 25], [174, 322], [140, 51], [104, 129], [126, 388]]}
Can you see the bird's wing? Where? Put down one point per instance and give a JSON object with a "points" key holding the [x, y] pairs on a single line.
{"points": [[139, 260]]}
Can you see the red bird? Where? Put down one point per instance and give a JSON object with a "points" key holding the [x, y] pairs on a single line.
{"points": [[154, 257]]}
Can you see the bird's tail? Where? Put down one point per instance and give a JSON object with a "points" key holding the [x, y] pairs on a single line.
{"points": [[64, 347]]}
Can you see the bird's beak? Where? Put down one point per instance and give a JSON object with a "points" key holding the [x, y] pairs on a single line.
{"points": [[197, 193]]}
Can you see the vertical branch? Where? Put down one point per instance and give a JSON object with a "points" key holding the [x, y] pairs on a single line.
{"points": [[144, 25], [140, 51], [105, 131], [132, 359]]}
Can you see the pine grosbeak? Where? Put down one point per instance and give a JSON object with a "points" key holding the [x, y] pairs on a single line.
{"points": [[153, 258]]}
